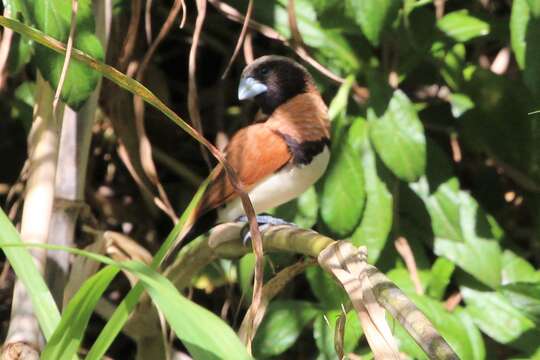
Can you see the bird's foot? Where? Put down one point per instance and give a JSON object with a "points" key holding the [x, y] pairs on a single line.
{"points": [[264, 221]]}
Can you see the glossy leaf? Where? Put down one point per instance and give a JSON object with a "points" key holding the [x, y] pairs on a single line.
{"points": [[526, 297], [462, 27], [343, 190], [516, 269], [524, 32], [281, 326], [376, 222], [54, 18], [495, 315], [373, 16], [398, 137], [461, 228]]}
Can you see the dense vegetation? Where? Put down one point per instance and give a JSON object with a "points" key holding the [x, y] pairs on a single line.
{"points": [[435, 168]]}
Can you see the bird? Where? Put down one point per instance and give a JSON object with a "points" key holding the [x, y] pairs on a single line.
{"points": [[279, 156]]}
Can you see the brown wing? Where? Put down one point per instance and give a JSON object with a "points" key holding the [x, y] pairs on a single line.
{"points": [[254, 152]]}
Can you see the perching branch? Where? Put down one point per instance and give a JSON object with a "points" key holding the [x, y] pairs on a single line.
{"points": [[337, 257]]}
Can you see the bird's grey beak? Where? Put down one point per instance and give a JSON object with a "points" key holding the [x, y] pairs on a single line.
{"points": [[249, 88]]}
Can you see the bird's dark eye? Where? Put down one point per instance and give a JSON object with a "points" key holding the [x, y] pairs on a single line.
{"points": [[264, 70]]}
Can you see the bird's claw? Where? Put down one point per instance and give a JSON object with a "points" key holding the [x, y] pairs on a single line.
{"points": [[264, 221]]}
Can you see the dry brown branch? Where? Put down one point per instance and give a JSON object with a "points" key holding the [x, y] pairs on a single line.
{"points": [[348, 266], [248, 48], [145, 148], [184, 14], [148, 21], [131, 36], [456, 149], [245, 25], [193, 96], [404, 249], [362, 93]]}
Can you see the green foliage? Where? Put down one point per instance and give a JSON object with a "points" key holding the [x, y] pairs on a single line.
{"points": [[54, 18]]}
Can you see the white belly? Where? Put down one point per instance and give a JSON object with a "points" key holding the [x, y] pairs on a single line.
{"points": [[278, 188]]}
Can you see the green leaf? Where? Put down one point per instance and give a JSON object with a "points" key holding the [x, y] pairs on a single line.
{"points": [[516, 269], [23, 264], [398, 137], [54, 18], [524, 33], [376, 222], [462, 27], [373, 16], [518, 30], [281, 326], [441, 272], [325, 288], [343, 193], [324, 333], [495, 315], [460, 104], [329, 43], [524, 296], [66, 339], [462, 231]]}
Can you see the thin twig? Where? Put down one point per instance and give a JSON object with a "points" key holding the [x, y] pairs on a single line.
{"points": [[248, 48], [193, 97], [404, 249], [67, 58], [362, 93], [148, 21], [131, 36], [240, 38], [163, 203]]}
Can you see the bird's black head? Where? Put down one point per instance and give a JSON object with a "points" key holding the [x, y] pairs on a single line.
{"points": [[272, 80]]}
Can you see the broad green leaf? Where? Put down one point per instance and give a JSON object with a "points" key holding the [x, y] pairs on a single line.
{"points": [[329, 43], [524, 296], [518, 30], [493, 313], [524, 33], [23, 264], [324, 333], [54, 18], [246, 267], [462, 27], [441, 272], [66, 339], [330, 295], [343, 193], [516, 269], [376, 222], [21, 48], [402, 278], [373, 16], [460, 104], [281, 326], [398, 137], [462, 231]]}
